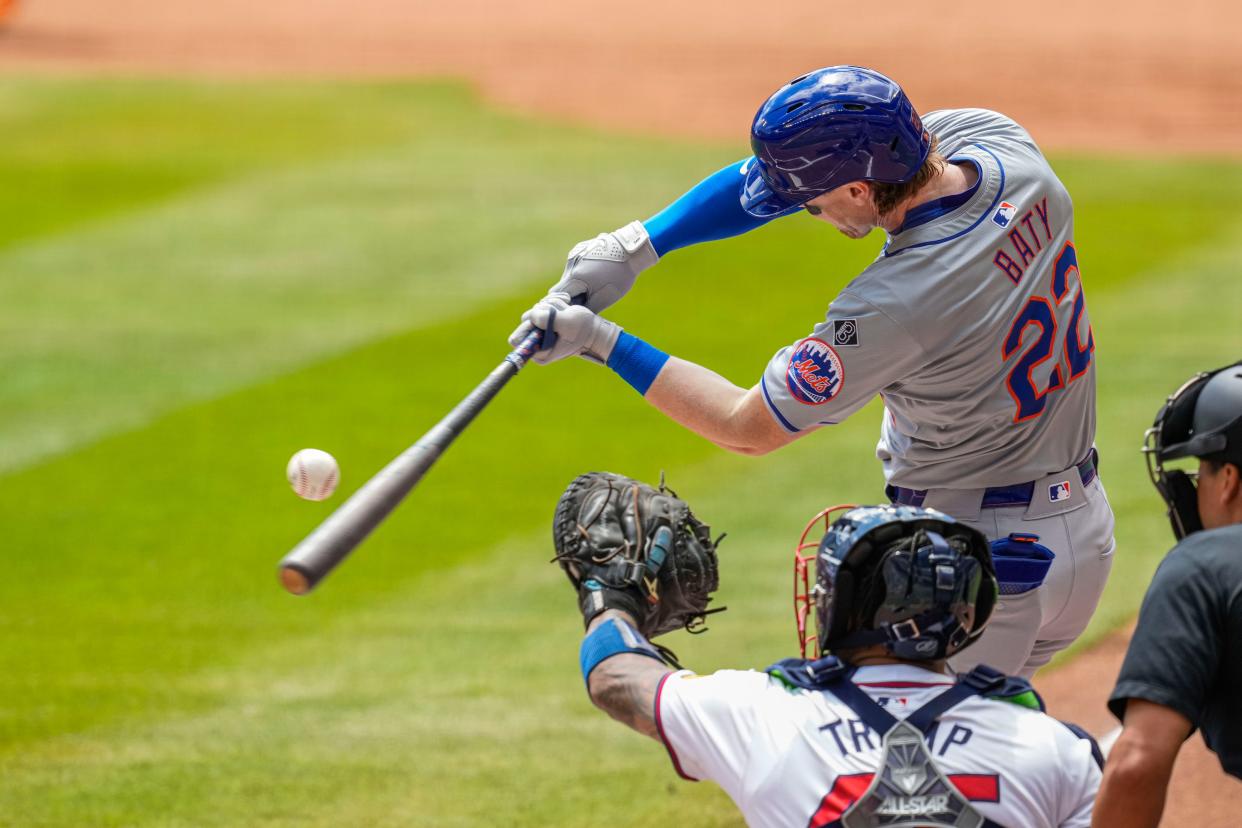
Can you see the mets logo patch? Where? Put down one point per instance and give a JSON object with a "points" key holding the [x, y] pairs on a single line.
{"points": [[1004, 214], [815, 374]]}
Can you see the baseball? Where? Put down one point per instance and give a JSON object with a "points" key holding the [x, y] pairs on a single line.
{"points": [[313, 474]]}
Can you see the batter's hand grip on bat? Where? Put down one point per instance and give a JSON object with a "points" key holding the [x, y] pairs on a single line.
{"points": [[550, 336], [331, 542]]}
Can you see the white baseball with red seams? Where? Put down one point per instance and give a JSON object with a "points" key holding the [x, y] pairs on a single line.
{"points": [[313, 474]]}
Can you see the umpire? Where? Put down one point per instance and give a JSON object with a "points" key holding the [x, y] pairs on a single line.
{"points": [[1182, 670]]}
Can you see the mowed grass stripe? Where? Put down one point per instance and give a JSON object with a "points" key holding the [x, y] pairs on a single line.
{"points": [[396, 206], [78, 150]]}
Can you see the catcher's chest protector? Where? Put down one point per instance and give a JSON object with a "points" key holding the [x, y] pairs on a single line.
{"points": [[908, 790]]}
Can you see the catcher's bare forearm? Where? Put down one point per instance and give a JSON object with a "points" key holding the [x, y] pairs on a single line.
{"points": [[624, 686], [733, 418]]}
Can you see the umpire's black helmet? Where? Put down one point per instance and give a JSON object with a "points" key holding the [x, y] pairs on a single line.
{"points": [[1201, 419]]}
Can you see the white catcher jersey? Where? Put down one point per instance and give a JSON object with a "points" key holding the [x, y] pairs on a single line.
{"points": [[971, 325], [792, 757]]}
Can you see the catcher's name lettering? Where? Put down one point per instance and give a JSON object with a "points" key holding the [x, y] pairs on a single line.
{"points": [[1020, 247], [854, 736]]}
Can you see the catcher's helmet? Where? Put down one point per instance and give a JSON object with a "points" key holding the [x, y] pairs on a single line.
{"points": [[825, 129], [1201, 419], [915, 580]]}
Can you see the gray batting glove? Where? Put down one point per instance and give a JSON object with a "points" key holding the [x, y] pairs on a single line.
{"points": [[578, 331], [601, 270]]}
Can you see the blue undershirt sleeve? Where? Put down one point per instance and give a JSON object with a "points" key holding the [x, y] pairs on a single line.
{"points": [[711, 210]]}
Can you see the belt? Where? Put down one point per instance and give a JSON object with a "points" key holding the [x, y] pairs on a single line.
{"points": [[994, 497]]}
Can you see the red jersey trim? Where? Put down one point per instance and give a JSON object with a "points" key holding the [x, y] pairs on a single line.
{"points": [[659, 723], [977, 787]]}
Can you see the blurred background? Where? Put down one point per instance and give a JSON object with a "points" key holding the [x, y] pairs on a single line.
{"points": [[229, 231]]}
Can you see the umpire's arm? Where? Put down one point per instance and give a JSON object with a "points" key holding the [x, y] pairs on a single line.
{"points": [[625, 685], [1136, 775], [1170, 667]]}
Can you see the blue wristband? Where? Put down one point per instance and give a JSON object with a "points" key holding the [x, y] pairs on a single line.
{"points": [[636, 362], [613, 637]]}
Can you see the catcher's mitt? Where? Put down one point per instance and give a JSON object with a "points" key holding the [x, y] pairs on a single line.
{"points": [[628, 546]]}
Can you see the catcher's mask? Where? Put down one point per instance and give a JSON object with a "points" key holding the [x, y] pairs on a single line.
{"points": [[912, 579], [1200, 420]]}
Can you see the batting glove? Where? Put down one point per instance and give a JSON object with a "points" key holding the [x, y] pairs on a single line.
{"points": [[579, 331], [601, 270]]}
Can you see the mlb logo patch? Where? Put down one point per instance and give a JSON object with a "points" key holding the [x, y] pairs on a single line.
{"points": [[1004, 214], [1059, 491], [815, 372]]}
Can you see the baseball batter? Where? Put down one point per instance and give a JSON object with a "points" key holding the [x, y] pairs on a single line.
{"points": [[881, 735], [971, 325]]}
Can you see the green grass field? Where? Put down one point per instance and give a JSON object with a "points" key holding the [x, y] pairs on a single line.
{"points": [[198, 279]]}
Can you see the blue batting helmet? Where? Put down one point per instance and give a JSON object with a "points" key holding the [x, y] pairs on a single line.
{"points": [[825, 129], [915, 580]]}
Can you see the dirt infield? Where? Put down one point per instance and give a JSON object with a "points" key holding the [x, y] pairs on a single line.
{"points": [[1200, 793], [1109, 76], [1106, 77]]}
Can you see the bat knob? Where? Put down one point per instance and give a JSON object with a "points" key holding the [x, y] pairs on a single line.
{"points": [[294, 581]]}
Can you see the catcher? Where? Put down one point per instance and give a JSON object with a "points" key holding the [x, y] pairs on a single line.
{"points": [[873, 731]]}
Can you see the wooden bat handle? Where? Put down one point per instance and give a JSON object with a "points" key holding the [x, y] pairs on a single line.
{"points": [[331, 542]]}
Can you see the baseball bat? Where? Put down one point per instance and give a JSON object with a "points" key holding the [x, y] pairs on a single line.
{"points": [[331, 542]]}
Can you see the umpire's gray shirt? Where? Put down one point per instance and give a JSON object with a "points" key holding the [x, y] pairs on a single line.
{"points": [[971, 325]]}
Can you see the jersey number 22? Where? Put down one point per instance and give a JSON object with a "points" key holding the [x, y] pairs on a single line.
{"points": [[1040, 313]]}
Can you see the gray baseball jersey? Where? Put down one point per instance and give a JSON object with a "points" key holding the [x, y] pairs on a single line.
{"points": [[971, 325]]}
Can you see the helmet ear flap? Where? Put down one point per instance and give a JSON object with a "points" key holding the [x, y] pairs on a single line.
{"points": [[842, 604], [1176, 419], [1179, 492], [986, 592], [989, 589]]}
